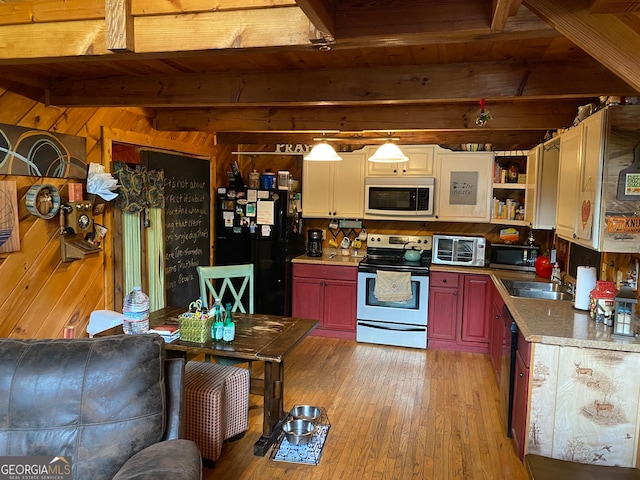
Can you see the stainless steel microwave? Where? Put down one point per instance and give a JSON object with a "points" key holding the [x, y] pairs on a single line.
{"points": [[459, 250], [514, 257], [387, 198]]}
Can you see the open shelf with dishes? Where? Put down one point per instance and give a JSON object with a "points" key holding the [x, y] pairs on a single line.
{"points": [[509, 187]]}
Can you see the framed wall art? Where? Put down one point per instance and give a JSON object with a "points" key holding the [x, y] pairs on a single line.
{"points": [[38, 153], [9, 228]]}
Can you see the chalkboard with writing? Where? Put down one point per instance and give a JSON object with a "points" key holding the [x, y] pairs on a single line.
{"points": [[187, 216]]}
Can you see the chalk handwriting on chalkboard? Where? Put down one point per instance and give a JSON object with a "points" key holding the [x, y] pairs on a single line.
{"points": [[187, 219]]}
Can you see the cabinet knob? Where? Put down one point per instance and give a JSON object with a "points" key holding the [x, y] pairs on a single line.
{"points": [[404, 171], [444, 280], [575, 236], [521, 374], [395, 171], [455, 294], [497, 317]]}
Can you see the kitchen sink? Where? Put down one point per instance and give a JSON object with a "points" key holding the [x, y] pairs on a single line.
{"points": [[541, 290]]}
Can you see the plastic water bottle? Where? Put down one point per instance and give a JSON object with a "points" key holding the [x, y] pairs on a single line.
{"points": [[217, 329], [229, 329], [135, 312]]}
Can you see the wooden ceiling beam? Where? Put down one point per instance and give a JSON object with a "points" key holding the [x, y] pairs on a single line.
{"points": [[500, 140], [274, 27], [607, 38], [322, 15], [501, 11], [286, 26], [119, 25], [25, 12], [614, 6], [357, 86], [528, 115], [169, 7], [389, 21], [70, 29], [42, 11]]}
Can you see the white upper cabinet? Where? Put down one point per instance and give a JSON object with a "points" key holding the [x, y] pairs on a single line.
{"points": [[579, 181], [568, 169], [420, 163], [592, 156], [334, 189], [463, 186], [542, 185]]}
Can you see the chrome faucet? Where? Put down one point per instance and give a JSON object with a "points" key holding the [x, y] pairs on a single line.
{"points": [[571, 288]]}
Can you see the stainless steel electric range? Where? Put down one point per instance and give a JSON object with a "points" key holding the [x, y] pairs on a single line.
{"points": [[398, 323]]}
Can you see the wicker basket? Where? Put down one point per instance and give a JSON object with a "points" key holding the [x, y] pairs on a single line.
{"points": [[194, 329]]}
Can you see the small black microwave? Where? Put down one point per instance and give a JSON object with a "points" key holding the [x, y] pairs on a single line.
{"points": [[514, 257]]}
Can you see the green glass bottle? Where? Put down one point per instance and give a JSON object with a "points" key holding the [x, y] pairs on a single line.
{"points": [[229, 329], [218, 321]]}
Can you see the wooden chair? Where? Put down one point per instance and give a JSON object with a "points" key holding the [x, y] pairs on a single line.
{"points": [[227, 274], [234, 281]]}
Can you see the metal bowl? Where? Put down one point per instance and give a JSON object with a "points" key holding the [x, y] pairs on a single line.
{"points": [[298, 432], [306, 412]]}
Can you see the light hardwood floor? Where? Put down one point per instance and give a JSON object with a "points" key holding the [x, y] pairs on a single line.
{"points": [[395, 413]]}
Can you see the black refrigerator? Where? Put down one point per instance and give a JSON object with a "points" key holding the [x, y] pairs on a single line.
{"points": [[267, 235]]}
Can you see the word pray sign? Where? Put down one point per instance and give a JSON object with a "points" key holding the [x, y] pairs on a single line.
{"points": [[300, 148]]}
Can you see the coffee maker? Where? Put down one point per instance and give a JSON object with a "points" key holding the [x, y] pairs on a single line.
{"points": [[314, 242]]}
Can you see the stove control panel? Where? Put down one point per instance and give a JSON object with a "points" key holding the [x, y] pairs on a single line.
{"points": [[381, 240]]}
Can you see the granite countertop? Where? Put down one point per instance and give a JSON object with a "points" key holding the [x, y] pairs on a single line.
{"points": [[557, 322], [331, 256]]}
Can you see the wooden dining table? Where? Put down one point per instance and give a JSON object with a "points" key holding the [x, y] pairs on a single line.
{"points": [[265, 338]]}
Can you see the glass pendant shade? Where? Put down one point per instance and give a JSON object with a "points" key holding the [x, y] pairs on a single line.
{"points": [[388, 153], [323, 152]]}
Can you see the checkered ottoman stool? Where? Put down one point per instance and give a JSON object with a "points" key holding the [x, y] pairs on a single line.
{"points": [[216, 405]]}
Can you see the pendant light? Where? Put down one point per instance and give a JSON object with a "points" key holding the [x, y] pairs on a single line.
{"points": [[323, 152], [388, 153]]}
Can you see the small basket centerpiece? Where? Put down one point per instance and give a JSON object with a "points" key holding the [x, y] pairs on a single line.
{"points": [[195, 325]]}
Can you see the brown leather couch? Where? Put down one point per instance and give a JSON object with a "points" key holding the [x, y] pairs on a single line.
{"points": [[110, 405]]}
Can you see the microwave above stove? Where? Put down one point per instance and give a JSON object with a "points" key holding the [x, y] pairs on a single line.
{"points": [[392, 198], [459, 250]]}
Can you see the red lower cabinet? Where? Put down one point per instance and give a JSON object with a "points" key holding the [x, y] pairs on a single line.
{"points": [[459, 311], [327, 294], [520, 397], [496, 333], [474, 330]]}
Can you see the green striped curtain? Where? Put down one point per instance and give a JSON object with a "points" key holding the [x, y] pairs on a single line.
{"points": [[132, 246], [132, 258], [155, 259]]}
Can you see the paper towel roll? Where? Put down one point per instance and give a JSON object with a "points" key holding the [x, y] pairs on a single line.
{"points": [[585, 282]]}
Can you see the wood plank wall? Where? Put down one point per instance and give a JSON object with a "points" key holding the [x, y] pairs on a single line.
{"points": [[40, 295]]}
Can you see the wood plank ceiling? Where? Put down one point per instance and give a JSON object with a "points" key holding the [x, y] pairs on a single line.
{"points": [[285, 71]]}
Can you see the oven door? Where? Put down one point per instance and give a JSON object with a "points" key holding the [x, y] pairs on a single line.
{"points": [[411, 312]]}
